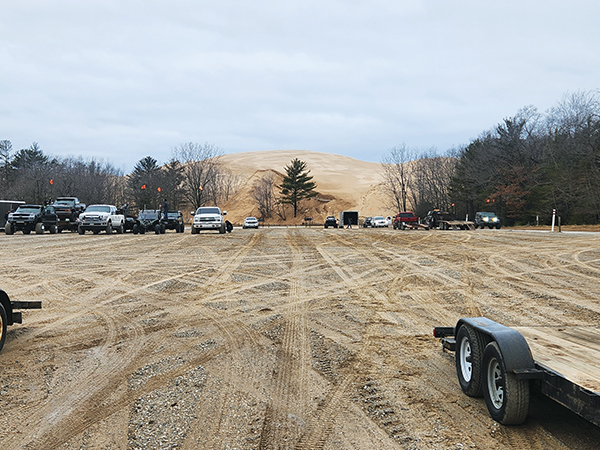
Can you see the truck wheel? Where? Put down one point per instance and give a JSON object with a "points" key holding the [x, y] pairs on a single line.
{"points": [[96, 231], [468, 358], [109, 228], [8, 229], [81, 230], [194, 230], [3, 325], [135, 229], [222, 229], [157, 229], [53, 229], [121, 228], [142, 230], [39, 228], [163, 229], [506, 397]]}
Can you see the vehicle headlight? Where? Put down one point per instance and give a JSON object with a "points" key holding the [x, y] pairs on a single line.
{"points": [[495, 219], [486, 219]]}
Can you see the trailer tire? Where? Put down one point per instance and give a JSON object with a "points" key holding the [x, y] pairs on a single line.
{"points": [[506, 397], [468, 358], [3, 325]]}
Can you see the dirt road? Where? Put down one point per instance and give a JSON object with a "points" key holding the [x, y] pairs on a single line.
{"points": [[277, 338]]}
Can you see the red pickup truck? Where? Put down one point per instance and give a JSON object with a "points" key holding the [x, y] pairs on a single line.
{"points": [[405, 219]]}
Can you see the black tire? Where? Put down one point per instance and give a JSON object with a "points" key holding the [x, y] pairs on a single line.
{"points": [[194, 230], [136, 229], [39, 228], [3, 325], [468, 359], [8, 229], [142, 230], [96, 231], [81, 230], [53, 229], [163, 229], [109, 228], [157, 229], [497, 227], [121, 229], [26, 231], [222, 229], [182, 228], [506, 397]]}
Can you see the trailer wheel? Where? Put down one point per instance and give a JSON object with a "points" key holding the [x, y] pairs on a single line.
{"points": [[506, 397], [3, 325], [468, 358]]}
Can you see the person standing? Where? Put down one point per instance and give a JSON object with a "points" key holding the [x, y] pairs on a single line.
{"points": [[165, 209]]}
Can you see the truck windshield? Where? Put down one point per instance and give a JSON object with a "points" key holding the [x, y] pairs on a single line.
{"points": [[98, 208], [63, 202], [28, 209], [207, 210], [148, 214]]}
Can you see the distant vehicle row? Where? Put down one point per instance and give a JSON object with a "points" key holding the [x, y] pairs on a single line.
{"points": [[434, 219]]}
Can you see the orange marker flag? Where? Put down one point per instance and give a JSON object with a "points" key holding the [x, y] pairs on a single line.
{"points": [[143, 186], [158, 189], [51, 181]]}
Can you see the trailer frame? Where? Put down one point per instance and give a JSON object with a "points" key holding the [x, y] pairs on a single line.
{"points": [[519, 364]]}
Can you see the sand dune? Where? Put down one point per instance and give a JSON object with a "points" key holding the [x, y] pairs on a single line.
{"points": [[343, 183]]}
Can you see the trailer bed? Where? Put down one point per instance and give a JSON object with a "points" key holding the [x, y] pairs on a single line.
{"points": [[571, 351]]}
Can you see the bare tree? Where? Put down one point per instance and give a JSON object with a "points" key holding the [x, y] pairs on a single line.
{"points": [[202, 169], [432, 177], [263, 193], [397, 176]]}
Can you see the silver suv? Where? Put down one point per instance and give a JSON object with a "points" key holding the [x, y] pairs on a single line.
{"points": [[208, 218]]}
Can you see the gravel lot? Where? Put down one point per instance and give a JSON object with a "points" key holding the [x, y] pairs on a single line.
{"points": [[280, 338]]}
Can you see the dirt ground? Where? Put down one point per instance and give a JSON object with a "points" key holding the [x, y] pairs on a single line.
{"points": [[281, 338]]}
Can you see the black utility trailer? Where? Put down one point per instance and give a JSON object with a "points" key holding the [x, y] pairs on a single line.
{"points": [[8, 315], [501, 363]]}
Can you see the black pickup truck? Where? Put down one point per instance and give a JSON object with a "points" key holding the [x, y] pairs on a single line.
{"points": [[28, 218], [68, 210]]}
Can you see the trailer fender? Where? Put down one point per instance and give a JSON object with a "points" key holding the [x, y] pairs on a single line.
{"points": [[5, 301], [513, 346]]}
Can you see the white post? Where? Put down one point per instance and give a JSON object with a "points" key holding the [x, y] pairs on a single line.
{"points": [[553, 218]]}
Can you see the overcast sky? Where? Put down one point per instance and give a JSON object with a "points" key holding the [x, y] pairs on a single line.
{"points": [[124, 79]]}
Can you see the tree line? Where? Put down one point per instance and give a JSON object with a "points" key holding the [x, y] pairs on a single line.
{"points": [[522, 169], [194, 176]]}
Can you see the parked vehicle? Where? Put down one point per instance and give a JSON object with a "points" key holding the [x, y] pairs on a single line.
{"points": [[130, 220], [68, 210], [487, 219], [348, 218], [8, 315], [28, 218], [503, 363], [368, 222], [250, 222], [407, 219], [98, 218], [6, 207], [330, 221], [149, 220], [446, 221], [174, 221], [209, 218], [379, 222]]}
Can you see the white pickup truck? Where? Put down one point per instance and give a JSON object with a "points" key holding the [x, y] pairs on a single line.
{"points": [[208, 218], [101, 217]]}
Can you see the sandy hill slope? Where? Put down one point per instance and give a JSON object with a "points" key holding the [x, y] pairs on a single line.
{"points": [[343, 183]]}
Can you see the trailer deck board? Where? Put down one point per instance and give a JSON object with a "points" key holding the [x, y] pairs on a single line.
{"points": [[573, 352]]}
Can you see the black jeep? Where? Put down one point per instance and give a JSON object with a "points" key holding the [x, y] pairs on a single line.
{"points": [[28, 218], [174, 221], [67, 210], [149, 220]]}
